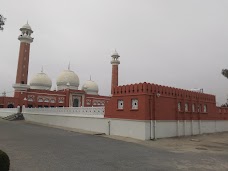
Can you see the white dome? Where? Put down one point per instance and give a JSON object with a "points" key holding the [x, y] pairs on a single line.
{"points": [[90, 87], [115, 53], [41, 82], [67, 79], [26, 26]]}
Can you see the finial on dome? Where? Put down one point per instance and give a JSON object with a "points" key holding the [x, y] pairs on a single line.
{"points": [[90, 78], [69, 66], [42, 69]]}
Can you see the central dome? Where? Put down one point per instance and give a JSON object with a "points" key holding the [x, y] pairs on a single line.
{"points": [[67, 79], [41, 82]]}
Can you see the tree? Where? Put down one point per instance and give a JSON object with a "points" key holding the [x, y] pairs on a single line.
{"points": [[2, 22], [225, 73], [4, 161]]}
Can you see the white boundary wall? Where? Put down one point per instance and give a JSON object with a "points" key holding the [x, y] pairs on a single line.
{"points": [[125, 128], [4, 112], [188, 127], [143, 130]]}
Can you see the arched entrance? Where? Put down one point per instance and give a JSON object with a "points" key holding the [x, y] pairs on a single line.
{"points": [[76, 103], [10, 106]]}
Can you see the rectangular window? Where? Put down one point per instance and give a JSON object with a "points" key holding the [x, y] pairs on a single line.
{"points": [[134, 103], [120, 104], [199, 108], [193, 107], [205, 108], [179, 106], [186, 107]]}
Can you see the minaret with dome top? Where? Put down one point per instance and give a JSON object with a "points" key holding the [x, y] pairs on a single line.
{"points": [[23, 59], [115, 62]]}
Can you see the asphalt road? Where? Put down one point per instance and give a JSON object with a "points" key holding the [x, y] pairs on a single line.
{"points": [[39, 148]]}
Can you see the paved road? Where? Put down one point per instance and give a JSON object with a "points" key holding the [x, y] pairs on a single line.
{"points": [[34, 148]]}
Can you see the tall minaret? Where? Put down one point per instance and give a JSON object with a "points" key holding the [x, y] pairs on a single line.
{"points": [[115, 62], [23, 59]]}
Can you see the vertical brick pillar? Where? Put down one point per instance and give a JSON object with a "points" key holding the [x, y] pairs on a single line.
{"points": [[23, 64], [114, 77], [115, 62]]}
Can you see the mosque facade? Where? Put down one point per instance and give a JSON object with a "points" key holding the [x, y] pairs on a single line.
{"points": [[143, 101], [38, 93]]}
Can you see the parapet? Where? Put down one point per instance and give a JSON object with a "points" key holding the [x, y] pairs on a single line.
{"points": [[154, 89]]}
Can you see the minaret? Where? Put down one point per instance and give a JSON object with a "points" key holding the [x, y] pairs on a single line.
{"points": [[115, 62], [23, 60]]}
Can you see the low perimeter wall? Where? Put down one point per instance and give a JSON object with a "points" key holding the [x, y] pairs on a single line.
{"points": [[4, 112], [125, 128], [143, 130]]}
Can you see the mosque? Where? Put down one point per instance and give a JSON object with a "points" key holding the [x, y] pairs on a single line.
{"points": [[141, 110], [38, 92]]}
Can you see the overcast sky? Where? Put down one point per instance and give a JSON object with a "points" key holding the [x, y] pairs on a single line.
{"points": [[178, 43]]}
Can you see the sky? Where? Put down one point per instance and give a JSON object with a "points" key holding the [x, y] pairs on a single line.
{"points": [[177, 43]]}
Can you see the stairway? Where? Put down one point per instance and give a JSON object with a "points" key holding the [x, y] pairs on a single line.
{"points": [[14, 117]]}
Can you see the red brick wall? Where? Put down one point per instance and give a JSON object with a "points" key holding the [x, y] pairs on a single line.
{"points": [[5, 101], [95, 100], [161, 103]]}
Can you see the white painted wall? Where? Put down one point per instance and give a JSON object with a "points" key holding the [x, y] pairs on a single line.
{"points": [[125, 128], [130, 128], [143, 130], [166, 129], [184, 128], [4, 112]]}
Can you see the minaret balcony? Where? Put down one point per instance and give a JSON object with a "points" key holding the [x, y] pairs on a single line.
{"points": [[21, 87], [115, 62], [25, 38]]}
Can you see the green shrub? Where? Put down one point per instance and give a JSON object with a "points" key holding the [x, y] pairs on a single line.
{"points": [[4, 161]]}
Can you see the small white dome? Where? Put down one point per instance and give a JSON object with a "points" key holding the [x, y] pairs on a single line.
{"points": [[26, 26], [90, 87], [115, 53], [67, 79], [41, 82]]}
